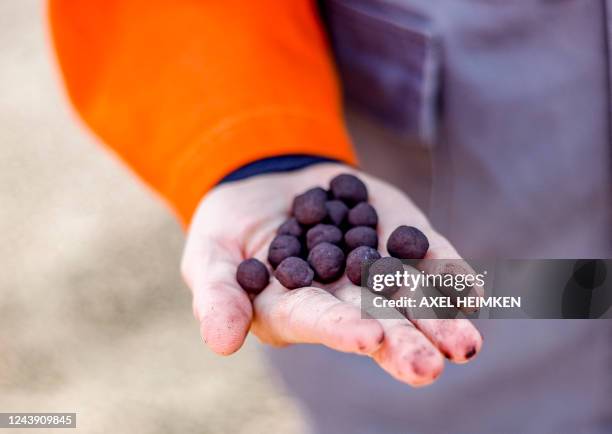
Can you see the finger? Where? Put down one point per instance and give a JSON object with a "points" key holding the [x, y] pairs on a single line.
{"points": [[441, 258], [221, 307], [394, 209], [457, 339], [406, 354], [312, 315]]}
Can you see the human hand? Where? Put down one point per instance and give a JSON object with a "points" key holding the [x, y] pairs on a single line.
{"points": [[238, 220]]}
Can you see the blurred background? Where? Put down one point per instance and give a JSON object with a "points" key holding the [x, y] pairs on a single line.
{"points": [[94, 318]]}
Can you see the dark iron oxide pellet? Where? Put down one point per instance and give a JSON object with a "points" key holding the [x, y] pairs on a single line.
{"points": [[336, 212], [252, 275], [294, 273], [281, 247], [385, 266], [309, 207], [349, 189], [327, 260], [407, 242], [356, 259], [323, 233], [363, 214], [360, 236], [291, 227]]}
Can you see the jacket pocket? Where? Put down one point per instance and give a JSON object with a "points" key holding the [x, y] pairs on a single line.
{"points": [[388, 59]]}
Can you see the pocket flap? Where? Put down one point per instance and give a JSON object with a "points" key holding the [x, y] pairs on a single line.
{"points": [[388, 60]]}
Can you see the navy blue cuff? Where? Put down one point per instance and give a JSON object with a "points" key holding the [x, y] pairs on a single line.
{"points": [[280, 163]]}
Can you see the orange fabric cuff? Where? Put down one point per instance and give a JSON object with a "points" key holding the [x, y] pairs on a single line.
{"points": [[261, 134]]}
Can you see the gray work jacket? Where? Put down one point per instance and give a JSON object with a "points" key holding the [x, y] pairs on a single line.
{"points": [[511, 101]]}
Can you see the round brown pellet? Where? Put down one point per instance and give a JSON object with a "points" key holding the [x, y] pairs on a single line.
{"points": [[363, 214], [384, 266], [357, 259], [407, 242], [294, 273], [349, 189], [360, 236], [309, 207], [291, 227], [281, 247], [252, 275], [336, 212], [323, 233], [327, 261]]}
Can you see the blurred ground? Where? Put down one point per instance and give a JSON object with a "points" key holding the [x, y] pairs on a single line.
{"points": [[93, 315]]}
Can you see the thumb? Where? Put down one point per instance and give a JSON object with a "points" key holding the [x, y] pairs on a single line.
{"points": [[221, 307]]}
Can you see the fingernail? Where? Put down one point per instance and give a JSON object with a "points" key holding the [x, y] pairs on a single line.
{"points": [[470, 353]]}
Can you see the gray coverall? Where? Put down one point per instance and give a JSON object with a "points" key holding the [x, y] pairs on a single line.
{"points": [[494, 115]]}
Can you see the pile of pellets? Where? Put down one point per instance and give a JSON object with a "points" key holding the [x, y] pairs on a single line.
{"points": [[329, 233]]}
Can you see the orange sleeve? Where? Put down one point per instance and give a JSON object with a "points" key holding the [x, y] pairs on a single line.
{"points": [[185, 91]]}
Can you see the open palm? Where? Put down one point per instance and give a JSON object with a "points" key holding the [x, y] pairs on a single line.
{"points": [[238, 220]]}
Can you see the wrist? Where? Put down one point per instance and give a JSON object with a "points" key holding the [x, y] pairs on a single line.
{"points": [[275, 164]]}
